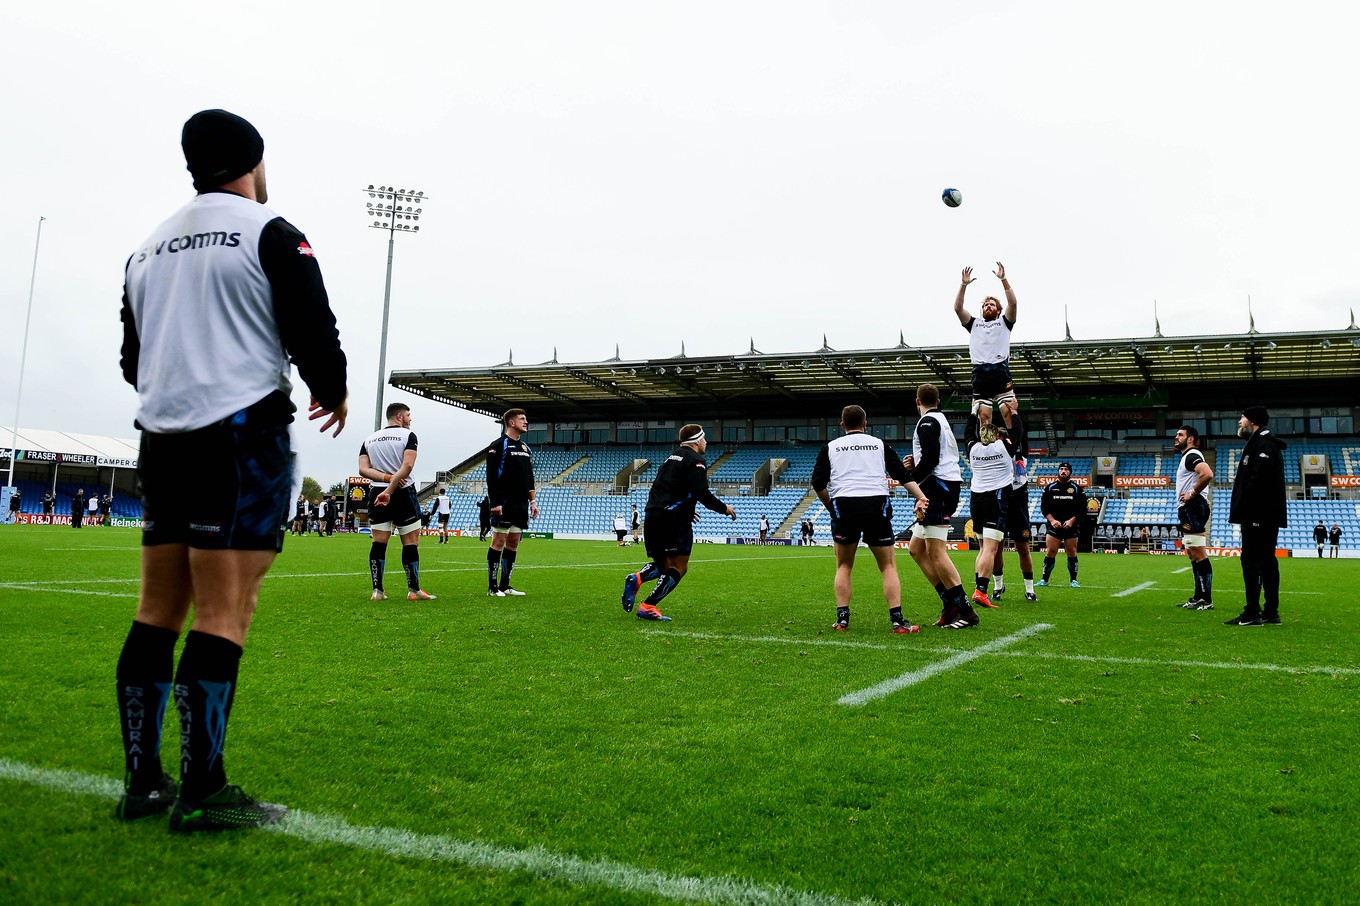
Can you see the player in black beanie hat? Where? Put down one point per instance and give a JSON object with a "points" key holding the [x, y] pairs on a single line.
{"points": [[1257, 415], [220, 147]]}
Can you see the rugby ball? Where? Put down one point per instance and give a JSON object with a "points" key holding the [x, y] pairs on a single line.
{"points": [[952, 197]]}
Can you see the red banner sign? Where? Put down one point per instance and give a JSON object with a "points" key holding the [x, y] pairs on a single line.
{"points": [[1346, 481]]}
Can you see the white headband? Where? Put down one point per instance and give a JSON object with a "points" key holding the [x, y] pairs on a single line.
{"points": [[695, 439]]}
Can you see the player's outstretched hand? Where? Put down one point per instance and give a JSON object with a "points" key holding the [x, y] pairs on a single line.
{"points": [[334, 416], [731, 513], [1000, 271], [968, 276]]}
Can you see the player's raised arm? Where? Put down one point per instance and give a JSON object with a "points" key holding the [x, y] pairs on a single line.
{"points": [[959, 310], [1009, 313]]}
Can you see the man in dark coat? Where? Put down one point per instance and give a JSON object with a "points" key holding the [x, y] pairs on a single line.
{"points": [[1258, 507]]}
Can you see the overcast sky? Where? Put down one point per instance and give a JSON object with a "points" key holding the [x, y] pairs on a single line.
{"points": [[646, 174]]}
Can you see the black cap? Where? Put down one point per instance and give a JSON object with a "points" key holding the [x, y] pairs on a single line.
{"points": [[219, 147], [1065, 465], [1257, 415]]}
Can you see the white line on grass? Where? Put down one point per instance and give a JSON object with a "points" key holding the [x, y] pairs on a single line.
{"points": [[1053, 656], [34, 586], [897, 683], [1129, 591], [1183, 569], [536, 861]]}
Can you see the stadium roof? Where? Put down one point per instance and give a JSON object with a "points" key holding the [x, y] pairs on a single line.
{"points": [[36, 445], [1208, 372]]}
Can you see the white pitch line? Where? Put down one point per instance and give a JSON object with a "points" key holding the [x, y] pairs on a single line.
{"points": [[911, 678], [1136, 588], [1053, 656], [537, 861], [1183, 569], [34, 586], [1212, 665]]}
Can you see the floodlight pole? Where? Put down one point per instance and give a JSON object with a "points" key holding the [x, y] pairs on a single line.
{"points": [[394, 213], [23, 359]]}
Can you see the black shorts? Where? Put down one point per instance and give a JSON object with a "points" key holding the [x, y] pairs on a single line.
{"points": [[943, 497], [989, 510], [228, 486], [1017, 514], [990, 381], [621, 533], [869, 517], [666, 535], [1064, 534], [1194, 516], [402, 508], [513, 515], [444, 519]]}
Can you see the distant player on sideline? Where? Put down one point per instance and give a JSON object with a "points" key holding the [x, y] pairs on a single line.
{"points": [[681, 483], [1335, 538], [989, 347], [1017, 516], [764, 528], [991, 455], [1063, 505], [510, 489], [851, 480], [388, 457], [443, 508], [637, 524], [934, 465], [1320, 536], [1193, 475]]}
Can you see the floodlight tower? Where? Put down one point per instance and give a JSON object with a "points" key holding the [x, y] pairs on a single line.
{"points": [[394, 210]]}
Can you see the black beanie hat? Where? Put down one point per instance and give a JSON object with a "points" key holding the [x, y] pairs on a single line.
{"points": [[219, 147], [1257, 415]]}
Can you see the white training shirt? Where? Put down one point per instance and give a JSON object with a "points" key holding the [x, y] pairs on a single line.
{"points": [[993, 467], [1186, 476], [445, 504], [385, 448], [204, 308], [858, 466], [989, 342], [948, 468]]}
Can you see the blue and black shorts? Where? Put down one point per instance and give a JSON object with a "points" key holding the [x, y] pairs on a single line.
{"points": [[228, 486]]}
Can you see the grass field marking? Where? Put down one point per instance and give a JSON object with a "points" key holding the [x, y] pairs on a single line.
{"points": [[1210, 665], [1135, 589], [911, 678], [537, 861], [1053, 656], [44, 587], [1183, 569], [829, 643]]}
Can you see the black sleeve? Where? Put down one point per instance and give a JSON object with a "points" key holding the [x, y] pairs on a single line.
{"points": [[1046, 503], [493, 479], [821, 471], [928, 431], [698, 486], [303, 311], [892, 463], [410, 440], [132, 343], [1020, 435]]}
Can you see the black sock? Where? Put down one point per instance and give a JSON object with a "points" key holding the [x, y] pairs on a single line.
{"points": [[1048, 566], [205, 685], [954, 597], [1028, 575], [940, 590], [982, 584], [377, 563], [1072, 568], [146, 671], [843, 615], [1204, 580], [669, 579], [493, 566], [410, 562], [895, 615], [507, 564], [649, 572]]}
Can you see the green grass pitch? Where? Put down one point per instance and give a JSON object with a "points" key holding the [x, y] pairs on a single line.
{"points": [[553, 750]]}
